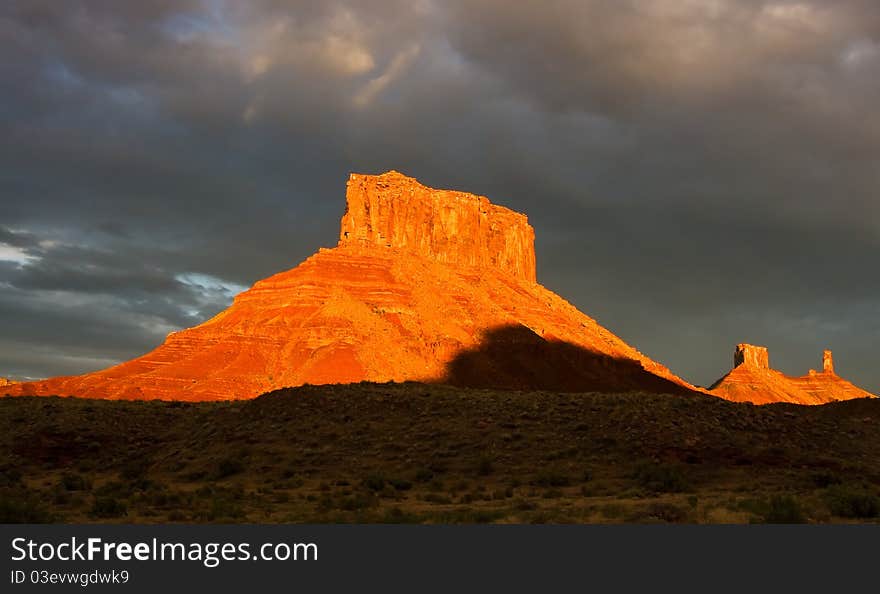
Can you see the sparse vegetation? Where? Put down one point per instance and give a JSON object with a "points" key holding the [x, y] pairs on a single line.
{"points": [[783, 509], [661, 478], [108, 507], [71, 481], [16, 511], [413, 453], [853, 501], [228, 467], [550, 478], [375, 482]]}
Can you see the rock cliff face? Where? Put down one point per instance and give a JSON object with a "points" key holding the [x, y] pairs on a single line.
{"points": [[6, 382], [752, 380], [751, 356], [427, 285], [453, 228]]}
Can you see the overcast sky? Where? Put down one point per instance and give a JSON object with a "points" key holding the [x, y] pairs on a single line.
{"points": [[698, 172]]}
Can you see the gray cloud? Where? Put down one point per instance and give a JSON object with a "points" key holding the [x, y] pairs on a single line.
{"points": [[698, 173]]}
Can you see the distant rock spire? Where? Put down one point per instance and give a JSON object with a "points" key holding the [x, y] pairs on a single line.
{"points": [[752, 380], [827, 362]]}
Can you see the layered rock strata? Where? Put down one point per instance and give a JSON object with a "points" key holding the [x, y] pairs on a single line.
{"points": [[753, 380], [427, 285]]}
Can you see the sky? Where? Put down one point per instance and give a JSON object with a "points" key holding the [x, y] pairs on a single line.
{"points": [[698, 173]]}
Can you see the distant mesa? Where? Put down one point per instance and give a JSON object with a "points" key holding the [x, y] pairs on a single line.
{"points": [[424, 284], [753, 380]]}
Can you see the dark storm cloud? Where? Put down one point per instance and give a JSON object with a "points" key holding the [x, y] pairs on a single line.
{"points": [[698, 173]]}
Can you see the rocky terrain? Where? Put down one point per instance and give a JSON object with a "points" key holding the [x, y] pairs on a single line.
{"points": [[753, 380], [438, 454], [426, 285]]}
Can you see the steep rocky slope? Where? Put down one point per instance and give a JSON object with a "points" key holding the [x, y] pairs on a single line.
{"points": [[428, 285]]}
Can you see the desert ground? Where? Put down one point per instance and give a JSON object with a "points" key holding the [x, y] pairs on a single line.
{"points": [[421, 453]]}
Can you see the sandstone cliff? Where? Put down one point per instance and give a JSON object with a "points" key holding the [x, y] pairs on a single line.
{"points": [[453, 228], [753, 380], [6, 382], [428, 285]]}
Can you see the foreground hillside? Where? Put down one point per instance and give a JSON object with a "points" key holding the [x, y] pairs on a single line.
{"points": [[427, 453]]}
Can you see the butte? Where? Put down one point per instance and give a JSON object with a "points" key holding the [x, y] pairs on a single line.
{"points": [[424, 285], [753, 380]]}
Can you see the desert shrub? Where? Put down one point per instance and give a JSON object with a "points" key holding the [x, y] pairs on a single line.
{"points": [[424, 475], [134, 470], [61, 497], [612, 510], [389, 492], [486, 516], [357, 502], [395, 515], [75, 482], [351, 503], [437, 499], [551, 478], [825, 479], [467, 515], [193, 475], [374, 482], [108, 507], [228, 467], [400, 484], [525, 505], [223, 508], [500, 494], [852, 501], [459, 486], [783, 509], [668, 512], [23, 510], [113, 489], [662, 478], [163, 499], [295, 483], [10, 477]]}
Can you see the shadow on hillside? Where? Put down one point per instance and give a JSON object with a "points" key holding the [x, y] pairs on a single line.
{"points": [[516, 358]]}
